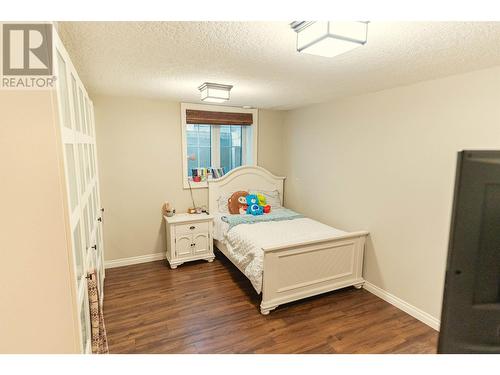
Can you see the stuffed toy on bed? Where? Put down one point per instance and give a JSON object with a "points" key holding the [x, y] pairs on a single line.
{"points": [[261, 200], [237, 203], [263, 203], [253, 205]]}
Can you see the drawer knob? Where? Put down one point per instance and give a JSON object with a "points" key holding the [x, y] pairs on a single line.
{"points": [[192, 227], [192, 244]]}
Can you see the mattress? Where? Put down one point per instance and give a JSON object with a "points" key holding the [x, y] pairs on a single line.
{"points": [[244, 242]]}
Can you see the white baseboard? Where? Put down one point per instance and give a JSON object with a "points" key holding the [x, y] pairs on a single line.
{"points": [[133, 260], [403, 305]]}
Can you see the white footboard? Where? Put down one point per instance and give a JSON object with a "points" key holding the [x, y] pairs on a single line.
{"points": [[299, 270]]}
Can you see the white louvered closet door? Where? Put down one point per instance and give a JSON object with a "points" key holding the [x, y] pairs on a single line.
{"points": [[79, 148]]}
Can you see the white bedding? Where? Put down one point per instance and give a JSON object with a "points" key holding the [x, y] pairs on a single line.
{"points": [[244, 242]]}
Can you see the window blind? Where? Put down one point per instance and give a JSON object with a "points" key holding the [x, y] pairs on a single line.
{"points": [[218, 118]]}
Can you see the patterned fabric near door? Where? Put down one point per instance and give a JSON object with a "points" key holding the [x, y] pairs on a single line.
{"points": [[99, 338]]}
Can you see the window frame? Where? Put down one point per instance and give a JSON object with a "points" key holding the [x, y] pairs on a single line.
{"points": [[215, 152]]}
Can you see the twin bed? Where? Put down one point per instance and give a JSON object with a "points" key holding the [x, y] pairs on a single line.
{"points": [[285, 260]]}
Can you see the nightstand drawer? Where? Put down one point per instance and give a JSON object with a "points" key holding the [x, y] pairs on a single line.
{"points": [[192, 228]]}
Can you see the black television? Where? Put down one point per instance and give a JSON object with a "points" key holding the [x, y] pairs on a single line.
{"points": [[470, 318]]}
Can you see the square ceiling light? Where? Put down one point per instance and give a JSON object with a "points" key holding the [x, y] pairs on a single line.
{"points": [[215, 92], [329, 38]]}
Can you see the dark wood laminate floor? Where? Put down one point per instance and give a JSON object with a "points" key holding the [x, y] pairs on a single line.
{"points": [[205, 307]]}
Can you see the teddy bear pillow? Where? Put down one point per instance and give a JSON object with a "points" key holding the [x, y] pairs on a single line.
{"points": [[237, 203]]}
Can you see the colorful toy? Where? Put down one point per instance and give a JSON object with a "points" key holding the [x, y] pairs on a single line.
{"points": [[243, 205], [237, 203], [252, 199], [253, 205], [257, 205], [262, 200], [255, 210]]}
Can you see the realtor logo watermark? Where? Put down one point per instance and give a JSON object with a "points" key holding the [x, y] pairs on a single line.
{"points": [[27, 58]]}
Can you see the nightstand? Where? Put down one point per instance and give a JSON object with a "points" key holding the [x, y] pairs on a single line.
{"points": [[189, 237]]}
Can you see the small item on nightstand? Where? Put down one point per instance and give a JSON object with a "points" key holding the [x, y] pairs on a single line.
{"points": [[191, 210], [168, 210]]}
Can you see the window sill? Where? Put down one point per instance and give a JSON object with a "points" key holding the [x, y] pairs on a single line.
{"points": [[196, 185]]}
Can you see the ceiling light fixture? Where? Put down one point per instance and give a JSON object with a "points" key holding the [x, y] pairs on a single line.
{"points": [[214, 92], [329, 38]]}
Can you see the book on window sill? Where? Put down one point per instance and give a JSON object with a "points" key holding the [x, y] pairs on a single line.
{"points": [[206, 173]]}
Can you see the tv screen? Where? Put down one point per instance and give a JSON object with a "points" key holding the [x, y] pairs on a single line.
{"points": [[470, 319]]}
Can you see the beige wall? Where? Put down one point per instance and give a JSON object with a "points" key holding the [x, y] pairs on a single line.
{"points": [[271, 147], [36, 304], [385, 162], [140, 166]]}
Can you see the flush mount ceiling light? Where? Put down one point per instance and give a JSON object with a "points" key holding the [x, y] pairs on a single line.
{"points": [[214, 92], [329, 38]]}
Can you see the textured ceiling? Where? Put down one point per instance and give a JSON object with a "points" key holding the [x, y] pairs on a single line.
{"points": [[171, 59]]}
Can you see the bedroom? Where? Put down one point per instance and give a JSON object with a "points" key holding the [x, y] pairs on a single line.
{"points": [[354, 155]]}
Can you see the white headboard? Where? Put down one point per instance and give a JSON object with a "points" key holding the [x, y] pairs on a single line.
{"points": [[243, 178]]}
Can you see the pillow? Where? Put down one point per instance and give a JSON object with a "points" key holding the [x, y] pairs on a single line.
{"points": [[222, 203], [272, 197]]}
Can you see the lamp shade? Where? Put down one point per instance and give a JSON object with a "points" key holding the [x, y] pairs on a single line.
{"points": [[329, 38], [215, 92]]}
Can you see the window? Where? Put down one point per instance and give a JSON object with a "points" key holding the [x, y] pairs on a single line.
{"points": [[224, 146], [215, 146], [199, 138], [230, 147]]}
